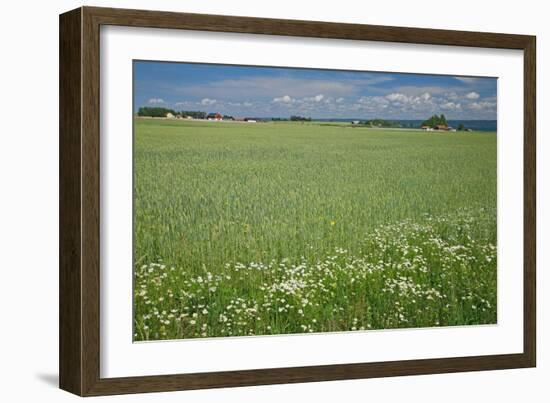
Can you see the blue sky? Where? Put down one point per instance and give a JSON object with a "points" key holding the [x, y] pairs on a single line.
{"points": [[281, 92]]}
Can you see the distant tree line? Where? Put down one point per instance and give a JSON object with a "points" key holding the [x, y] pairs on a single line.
{"points": [[296, 118], [379, 123], [194, 114], [159, 112], [155, 112], [435, 121]]}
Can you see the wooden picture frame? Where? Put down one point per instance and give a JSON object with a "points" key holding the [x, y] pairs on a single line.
{"points": [[79, 348]]}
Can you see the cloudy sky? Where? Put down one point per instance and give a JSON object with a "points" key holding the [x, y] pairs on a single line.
{"points": [[281, 92]]}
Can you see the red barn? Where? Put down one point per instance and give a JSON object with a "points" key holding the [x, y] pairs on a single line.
{"points": [[214, 116]]}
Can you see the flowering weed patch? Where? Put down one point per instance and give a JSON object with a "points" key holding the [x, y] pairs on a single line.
{"points": [[406, 275]]}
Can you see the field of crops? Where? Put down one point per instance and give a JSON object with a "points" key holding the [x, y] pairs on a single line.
{"points": [[273, 228]]}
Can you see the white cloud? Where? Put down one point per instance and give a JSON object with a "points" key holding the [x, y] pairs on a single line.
{"points": [[451, 95], [318, 98], [372, 101], [393, 105], [399, 105], [418, 90], [208, 101], [402, 100], [156, 101], [397, 97], [450, 106], [482, 105], [472, 95], [285, 99]]}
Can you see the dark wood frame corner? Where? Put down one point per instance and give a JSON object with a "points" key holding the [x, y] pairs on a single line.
{"points": [[79, 201]]}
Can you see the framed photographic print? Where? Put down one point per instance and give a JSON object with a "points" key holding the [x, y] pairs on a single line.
{"points": [[249, 201]]}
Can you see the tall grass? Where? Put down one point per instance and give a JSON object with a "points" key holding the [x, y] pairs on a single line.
{"points": [[373, 228]]}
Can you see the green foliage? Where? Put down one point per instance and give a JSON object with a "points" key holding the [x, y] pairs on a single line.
{"points": [[295, 118], [435, 120], [155, 112], [194, 114], [375, 229], [461, 127], [380, 123]]}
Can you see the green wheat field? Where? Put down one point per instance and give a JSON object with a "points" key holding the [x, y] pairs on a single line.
{"points": [[287, 227]]}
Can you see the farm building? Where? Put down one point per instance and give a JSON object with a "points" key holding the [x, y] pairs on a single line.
{"points": [[444, 128], [214, 116], [241, 119]]}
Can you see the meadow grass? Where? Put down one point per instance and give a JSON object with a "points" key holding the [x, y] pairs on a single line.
{"points": [[274, 228]]}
